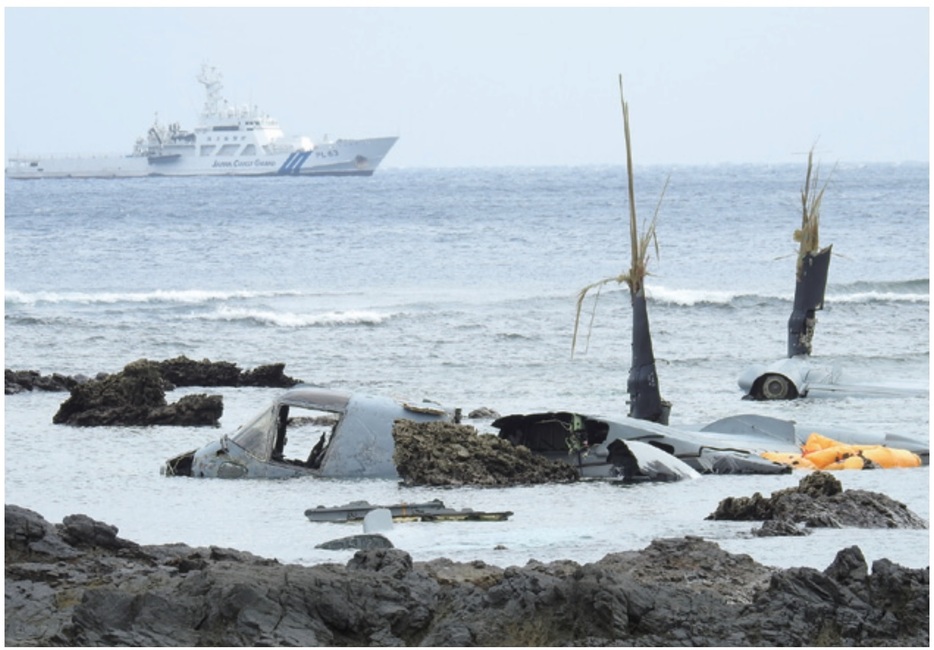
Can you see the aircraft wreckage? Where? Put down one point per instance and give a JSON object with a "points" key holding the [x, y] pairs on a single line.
{"points": [[796, 376], [349, 435], [310, 431], [732, 445]]}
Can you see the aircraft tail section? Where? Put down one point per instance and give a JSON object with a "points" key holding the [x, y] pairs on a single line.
{"points": [[645, 401], [809, 297]]}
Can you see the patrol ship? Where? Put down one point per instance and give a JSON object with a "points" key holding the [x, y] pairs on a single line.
{"points": [[228, 141]]}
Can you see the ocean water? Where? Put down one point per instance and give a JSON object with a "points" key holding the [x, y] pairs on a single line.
{"points": [[458, 285]]}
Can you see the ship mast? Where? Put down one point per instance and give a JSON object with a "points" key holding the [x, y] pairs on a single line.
{"points": [[210, 78]]}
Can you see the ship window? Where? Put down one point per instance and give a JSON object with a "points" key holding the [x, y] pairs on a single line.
{"points": [[249, 150], [228, 150], [207, 149]]}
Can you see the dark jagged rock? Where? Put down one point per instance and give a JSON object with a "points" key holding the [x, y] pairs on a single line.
{"points": [[180, 371], [819, 501], [442, 453], [127, 395], [78, 584], [271, 375], [189, 411], [183, 371], [21, 381], [780, 528], [135, 397]]}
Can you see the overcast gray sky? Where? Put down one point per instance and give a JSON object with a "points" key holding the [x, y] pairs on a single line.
{"points": [[487, 87]]}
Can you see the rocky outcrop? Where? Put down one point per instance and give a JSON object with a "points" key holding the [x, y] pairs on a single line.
{"points": [[180, 371], [23, 381], [78, 584], [442, 453], [183, 371], [818, 501], [135, 397]]}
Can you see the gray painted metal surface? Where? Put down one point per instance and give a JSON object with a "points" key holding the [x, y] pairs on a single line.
{"points": [[356, 442], [645, 400], [731, 445], [810, 286]]}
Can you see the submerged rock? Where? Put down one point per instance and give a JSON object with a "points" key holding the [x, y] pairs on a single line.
{"points": [[443, 453], [819, 501], [780, 528], [79, 584]]}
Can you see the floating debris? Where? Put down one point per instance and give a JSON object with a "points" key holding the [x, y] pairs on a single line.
{"points": [[434, 510]]}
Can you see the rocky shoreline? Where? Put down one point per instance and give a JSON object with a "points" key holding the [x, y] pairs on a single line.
{"points": [[78, 583]]}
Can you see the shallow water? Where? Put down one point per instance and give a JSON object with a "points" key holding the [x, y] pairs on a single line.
{"points": [[459, 286]]}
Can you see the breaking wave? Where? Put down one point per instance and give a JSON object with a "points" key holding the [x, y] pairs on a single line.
{"points": [[692, 297], [182, 296], [915, 291], [267, 317], [899, 291]]}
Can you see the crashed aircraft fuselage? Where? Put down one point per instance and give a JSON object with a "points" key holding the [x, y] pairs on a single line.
{"points": [[731, 445], [309, 431]]}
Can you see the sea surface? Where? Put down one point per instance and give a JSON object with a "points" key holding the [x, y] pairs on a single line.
{"points": [[459, 285]]}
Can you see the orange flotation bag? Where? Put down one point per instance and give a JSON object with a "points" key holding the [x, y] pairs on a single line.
{"points": [[821, 452], [830, 455], [797, 461], [816, 442], [850, 462], [888, 457]]}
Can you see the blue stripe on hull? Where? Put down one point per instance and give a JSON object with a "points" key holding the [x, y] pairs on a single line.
{"points": [[288, 161], [293, 164], [302, 157]]}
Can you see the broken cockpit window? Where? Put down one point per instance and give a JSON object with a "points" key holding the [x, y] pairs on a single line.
{"points": [[310, 431], [302, 435]]}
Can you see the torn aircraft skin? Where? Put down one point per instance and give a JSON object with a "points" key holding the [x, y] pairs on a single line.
{"points": [[310, 431], [596, 447], [731, 445]]}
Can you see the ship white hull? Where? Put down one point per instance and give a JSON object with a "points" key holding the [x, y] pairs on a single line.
{"points": [[338, 158]]}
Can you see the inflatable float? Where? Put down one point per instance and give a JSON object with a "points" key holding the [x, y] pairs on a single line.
{"points": [[820, 452]]}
